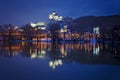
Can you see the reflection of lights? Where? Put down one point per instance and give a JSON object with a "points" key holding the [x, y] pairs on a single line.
{"points": [[63, 51], [51, 64], [55, 63], [43, 52], [33, 56], [60, 62], [39, 54], [96, 51]]}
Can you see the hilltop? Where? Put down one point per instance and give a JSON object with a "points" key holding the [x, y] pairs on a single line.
{"points": [[86, 23]]}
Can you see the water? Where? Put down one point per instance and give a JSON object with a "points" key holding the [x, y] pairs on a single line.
{"points": [[68, 61]]}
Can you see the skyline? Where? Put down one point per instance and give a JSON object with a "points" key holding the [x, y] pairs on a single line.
{"points": [[19, 12]]}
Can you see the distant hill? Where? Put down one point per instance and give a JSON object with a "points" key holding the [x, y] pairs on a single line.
{"points": [[88, 22]]}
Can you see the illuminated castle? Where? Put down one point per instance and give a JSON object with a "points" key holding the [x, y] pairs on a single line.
{"points": [[55, 16]]}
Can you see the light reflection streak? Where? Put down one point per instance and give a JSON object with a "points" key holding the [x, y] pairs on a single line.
{"points": [[56, 52]]}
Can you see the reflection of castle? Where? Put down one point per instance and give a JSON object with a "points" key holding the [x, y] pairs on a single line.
{"points": [[58, 54], [55, 63]]}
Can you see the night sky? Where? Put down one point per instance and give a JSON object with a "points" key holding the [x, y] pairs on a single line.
{"points": [[20, 12]]}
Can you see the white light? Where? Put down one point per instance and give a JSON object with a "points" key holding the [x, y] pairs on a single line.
{"points": [[61, 17], [53, 13], [50, 16], [56, 18], [43, 28], [33, 24], [33, 56], [16, 27], [43, 52], [40, 24], [56, 63], [50, 63], [96, 51], [21, 30], [62, 30], [39, 52], [65, 26], [96, 30], [53, 67], [60, 62], [39, 27], [41, 56]]}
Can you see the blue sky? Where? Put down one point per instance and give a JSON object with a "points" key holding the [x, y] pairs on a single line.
{"points": [[20, 12]]}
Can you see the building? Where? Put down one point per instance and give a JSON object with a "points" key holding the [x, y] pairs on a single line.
{"points": [[55, 16], [39, 25]]}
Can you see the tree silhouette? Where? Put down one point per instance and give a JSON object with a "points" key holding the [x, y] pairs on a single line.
{"points": [[54, 30], [116, 33]]}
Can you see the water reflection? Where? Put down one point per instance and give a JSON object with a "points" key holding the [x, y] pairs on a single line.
{"points": [[59, 54]]}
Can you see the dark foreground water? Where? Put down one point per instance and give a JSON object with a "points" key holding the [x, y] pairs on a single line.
{"points": [[70, 61]]}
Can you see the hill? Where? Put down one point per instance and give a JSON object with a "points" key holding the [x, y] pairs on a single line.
{"points": [[86, 23]]}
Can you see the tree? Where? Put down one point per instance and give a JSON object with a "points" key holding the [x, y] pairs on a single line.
{"points": [[54, 30], [28, 31], [116, 33]]}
